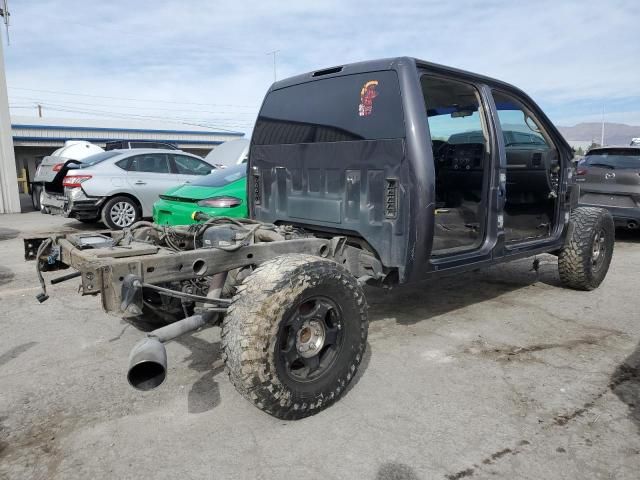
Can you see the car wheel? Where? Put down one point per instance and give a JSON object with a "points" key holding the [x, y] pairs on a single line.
{"points": [[35, 197], [120, 212], [295, 334], [584, 261]]}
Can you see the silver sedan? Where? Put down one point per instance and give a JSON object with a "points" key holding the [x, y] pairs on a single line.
{"points": [[117, 187]]}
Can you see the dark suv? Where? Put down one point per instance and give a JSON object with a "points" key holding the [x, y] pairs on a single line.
{"points": [[379, 173], [609, 177]]}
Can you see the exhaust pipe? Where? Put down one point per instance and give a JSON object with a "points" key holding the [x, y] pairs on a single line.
{"points": [[147, 364], [148, 359], [632, 225]]}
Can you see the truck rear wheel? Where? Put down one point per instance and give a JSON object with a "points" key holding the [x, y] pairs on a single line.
{"points": [[295, 334], [584, 261]]}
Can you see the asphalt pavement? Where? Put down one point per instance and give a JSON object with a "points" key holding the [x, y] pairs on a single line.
{"points": [[500, 373]]}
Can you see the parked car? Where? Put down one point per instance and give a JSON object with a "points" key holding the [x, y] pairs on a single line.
{"points": [[221, 193], [233, 152], [119, 187], [72, 150], [609, 177]]}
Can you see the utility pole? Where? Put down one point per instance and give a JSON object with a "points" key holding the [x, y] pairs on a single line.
{"points": [[39, 111], [602, 131], [274, 52]]}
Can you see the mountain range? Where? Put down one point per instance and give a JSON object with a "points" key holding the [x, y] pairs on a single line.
{"points": [[614, 133]]}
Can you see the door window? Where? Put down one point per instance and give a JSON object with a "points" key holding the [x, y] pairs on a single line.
{"points": [[459, 142], [191, 166], [151, 163]]}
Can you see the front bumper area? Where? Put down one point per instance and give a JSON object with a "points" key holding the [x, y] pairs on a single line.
{"points": [[169, 212]]}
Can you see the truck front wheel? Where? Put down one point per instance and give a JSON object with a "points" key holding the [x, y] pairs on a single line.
{"points": [[584, 261], [295, 334]]}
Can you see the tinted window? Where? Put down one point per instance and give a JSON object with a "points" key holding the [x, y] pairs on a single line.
{"points": [[97, 158], [124, 164], [191, 166], [352, 107], [614, 158], [151, 162], [222, 176]]}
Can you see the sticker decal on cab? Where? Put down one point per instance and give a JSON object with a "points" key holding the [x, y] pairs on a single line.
{"points": [[367, 94]]}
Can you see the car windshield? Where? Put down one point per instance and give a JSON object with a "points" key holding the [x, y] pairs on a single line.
{"points": [[615, 158], [222, 176], [97, 158]]}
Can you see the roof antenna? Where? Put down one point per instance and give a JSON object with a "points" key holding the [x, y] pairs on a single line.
{"points": [[4, 13]]}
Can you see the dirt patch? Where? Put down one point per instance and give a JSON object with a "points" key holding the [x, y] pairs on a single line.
{"points": [[490, 460], [8, 233], [6, 275], [467, 472], [511, 352], [396, 471], [625, 384], [496, 456], [15, 352]]}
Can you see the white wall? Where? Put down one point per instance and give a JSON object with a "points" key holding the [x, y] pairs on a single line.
{"points": [[9, 199]]}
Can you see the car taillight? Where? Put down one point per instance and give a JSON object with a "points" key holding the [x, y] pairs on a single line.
{"points": [[220, 202], [73, 181], [581, 171], [57, 167]]}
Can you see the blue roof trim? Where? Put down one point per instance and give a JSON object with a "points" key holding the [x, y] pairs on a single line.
{"points": [[137, 130], [95, 139]]}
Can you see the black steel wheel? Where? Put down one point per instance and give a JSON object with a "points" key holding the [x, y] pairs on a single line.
{"points": [[310, 339], [295, 334]]}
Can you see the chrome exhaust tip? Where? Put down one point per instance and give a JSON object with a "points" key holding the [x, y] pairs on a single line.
{"points": [[147, 364], [632, 225]]}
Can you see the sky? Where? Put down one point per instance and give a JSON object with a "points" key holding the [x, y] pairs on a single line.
{"points": [[208, 62]]}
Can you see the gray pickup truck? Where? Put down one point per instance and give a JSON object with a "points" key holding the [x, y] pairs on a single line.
{"points": [[379, 173]]}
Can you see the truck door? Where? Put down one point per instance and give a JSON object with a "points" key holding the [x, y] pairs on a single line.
{"points": [[462, 160], [531, 210]]}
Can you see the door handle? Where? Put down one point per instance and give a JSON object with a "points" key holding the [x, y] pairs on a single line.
{"points": [[140, 182]]}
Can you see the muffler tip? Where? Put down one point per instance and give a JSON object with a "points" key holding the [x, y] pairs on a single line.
{"points": [[147, 364]]}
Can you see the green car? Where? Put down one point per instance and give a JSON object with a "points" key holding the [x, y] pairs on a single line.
{"points": [[221, 193]]}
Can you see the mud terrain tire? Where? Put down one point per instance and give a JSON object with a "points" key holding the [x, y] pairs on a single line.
{"points": [[285, 302], [584, 261]]}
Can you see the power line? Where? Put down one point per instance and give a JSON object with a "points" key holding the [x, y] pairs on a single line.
{"points": [[174, 109], [131, 99], [217, 125]]}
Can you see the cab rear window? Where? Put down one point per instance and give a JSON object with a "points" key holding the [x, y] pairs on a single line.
{"points": [[614, 158], [347, 108]]}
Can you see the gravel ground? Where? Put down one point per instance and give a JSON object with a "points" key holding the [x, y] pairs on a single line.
{"points": [[494, 374]]}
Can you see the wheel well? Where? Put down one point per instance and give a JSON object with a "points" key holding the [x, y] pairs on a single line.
{"points": [[128, 195]]}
